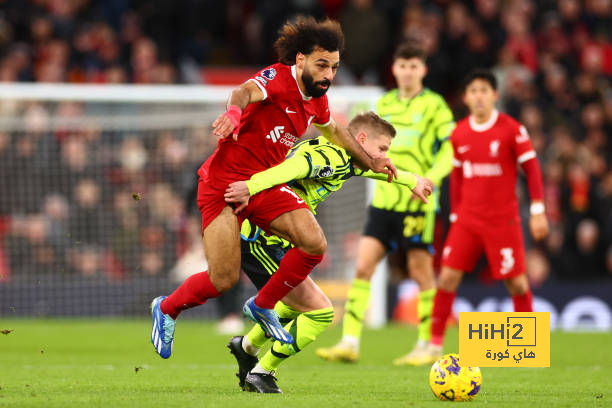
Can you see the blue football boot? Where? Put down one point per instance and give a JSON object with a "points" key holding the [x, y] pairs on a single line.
{"points": [[162, 335], [268, 320]]}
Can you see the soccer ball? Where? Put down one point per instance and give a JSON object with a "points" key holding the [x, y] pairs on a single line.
{"points": [[449, 382]]}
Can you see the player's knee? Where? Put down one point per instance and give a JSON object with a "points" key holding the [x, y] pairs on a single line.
{"points": [[364, 271], [224, 281], [314, 245]]}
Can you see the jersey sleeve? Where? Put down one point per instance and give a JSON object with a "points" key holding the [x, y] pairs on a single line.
{"points": [[325, 160], [443, 122], [268, 82], [521, 144], [294, 167]]}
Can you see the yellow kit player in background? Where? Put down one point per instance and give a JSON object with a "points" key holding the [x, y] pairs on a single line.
{"points": [[396, 219]]}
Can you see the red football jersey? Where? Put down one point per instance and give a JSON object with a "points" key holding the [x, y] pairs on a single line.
{"points": [[488, 155], [268, 129]]}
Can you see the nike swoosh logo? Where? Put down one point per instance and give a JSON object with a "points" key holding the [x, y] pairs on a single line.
{"points": [[463, 149], [286, 283], [289, 111]]}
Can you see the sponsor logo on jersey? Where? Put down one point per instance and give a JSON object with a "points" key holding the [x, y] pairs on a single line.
{"points": [[494, 148], [481, 169], [289, 110], [269, 73], [278, 135], [261, 79]]}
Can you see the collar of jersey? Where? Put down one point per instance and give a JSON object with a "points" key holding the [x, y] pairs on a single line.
{"points": [[482, 127], [294, 74]]}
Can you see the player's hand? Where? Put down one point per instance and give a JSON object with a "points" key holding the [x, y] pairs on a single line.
{"points": [[227, 123], [237, 193], [423, 189], [538, 225], [384, 165]]}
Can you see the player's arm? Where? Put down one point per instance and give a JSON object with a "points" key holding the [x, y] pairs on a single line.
{"points": [[293, 168], [443, 125], [340, 136], [227, 123], [456, 180], [420, 186], [527, 158]]}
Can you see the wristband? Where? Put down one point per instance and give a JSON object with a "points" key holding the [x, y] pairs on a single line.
{"points": [[234, 113], [536, 209]]}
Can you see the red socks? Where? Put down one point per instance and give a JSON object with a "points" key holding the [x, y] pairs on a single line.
{"points": [[196, 290], [443, 305], [295, 266], [524, 302]]}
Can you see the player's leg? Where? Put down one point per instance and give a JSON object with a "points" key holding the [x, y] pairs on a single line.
{"points": [[506, 255], [221, 239], [420, 265], [461, 251], [313, 313], [283, 213], [371, 252]]}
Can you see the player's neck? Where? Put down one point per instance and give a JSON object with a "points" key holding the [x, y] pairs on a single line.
{"points": [[409, 93], [300, 83], [484, 117]]}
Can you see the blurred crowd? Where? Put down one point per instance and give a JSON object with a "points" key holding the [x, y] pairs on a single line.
{"points": [[92, 202], [553, 59]]}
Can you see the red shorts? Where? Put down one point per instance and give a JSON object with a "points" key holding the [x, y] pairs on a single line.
{"points": [[262, 209], [503, 246]]}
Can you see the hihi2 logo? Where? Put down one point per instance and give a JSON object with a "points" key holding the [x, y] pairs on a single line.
{"points": [[490, 339]]}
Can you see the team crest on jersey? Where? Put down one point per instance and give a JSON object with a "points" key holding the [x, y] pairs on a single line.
{"points": [[269, 73], [494, 148]]}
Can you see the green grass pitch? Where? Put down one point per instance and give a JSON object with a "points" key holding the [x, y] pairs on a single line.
{"points": [[111, 363]]}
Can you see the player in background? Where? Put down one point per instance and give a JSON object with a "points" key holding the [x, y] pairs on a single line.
{"points": [[489, 146], [314, 169], [396, 220], [265, 117]]}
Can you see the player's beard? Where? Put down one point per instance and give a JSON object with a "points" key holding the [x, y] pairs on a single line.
{"points": [[312, 88]]}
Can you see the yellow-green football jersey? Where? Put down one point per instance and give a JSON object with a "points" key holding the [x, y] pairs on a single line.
{"points": [[421, 145]]}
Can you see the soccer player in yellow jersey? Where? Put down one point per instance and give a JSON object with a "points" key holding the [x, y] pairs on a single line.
{"points": [[312, 171], [396, 219]]}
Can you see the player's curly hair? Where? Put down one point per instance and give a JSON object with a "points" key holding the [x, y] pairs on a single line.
{"points": [[304, 35], [372, 121]]}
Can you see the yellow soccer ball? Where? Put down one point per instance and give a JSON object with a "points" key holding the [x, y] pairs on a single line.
{"points": [[449, 382]]}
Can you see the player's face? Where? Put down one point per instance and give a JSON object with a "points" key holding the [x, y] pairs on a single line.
{"points": [[409, 73], [480, 97], [319, 70], [375, 145]]}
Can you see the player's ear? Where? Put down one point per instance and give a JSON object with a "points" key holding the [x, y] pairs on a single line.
{"points": [[300, 60], [361, 137]]}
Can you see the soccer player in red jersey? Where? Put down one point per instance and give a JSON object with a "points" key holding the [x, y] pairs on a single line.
{"points": [[265, 117], [487, 146]]}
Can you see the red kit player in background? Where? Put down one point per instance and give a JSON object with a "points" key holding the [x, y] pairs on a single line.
{"points": [[488, 147], [265, 117]]}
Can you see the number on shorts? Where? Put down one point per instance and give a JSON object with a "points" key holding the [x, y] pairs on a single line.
{"points": [[507, 263], [413, 225], [290, 191]]}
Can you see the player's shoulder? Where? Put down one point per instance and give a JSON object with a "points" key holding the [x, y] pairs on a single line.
{"points": [[432, 96], [388, 98], [276, 72], [507, 121]]}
